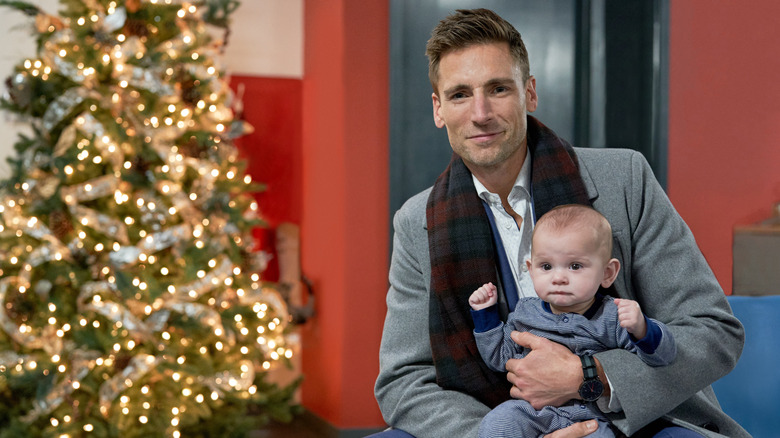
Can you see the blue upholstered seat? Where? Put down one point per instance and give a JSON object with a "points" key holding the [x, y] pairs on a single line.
{"points": [[751, 392]]}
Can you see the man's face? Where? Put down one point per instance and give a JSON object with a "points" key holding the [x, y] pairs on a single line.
{"points": [[482, 101]]}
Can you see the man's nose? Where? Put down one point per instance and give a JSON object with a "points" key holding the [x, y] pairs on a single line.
{"points": [[482, 110]]}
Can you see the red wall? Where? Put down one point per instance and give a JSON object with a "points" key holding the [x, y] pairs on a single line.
{"points": [[321, 144], [724, 119], [345, 225], [273, 106]]}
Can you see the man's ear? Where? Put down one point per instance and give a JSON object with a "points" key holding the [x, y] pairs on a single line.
{"points": [[610, 272], [531, 98], [436, 108]]}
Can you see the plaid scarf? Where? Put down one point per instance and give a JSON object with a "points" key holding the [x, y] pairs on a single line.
{"points": [[463, 257]]}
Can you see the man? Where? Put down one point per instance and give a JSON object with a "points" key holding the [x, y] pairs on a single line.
{"points": [[474, 225]]}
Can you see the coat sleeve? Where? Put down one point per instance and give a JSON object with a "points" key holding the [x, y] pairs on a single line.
{"points": [[665, 271], [406, 388]]}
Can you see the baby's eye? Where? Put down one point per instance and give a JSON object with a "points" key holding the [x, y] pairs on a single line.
{"points": [[546, 266], [575, 267]]}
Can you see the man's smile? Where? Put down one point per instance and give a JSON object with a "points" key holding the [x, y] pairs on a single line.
{"points": [[484, 137]]}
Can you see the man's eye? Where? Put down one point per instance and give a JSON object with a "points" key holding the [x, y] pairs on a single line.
{"points": [[575, 266], [457, 96]]}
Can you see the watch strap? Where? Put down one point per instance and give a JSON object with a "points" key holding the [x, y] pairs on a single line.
{"points": [[589, 370]]}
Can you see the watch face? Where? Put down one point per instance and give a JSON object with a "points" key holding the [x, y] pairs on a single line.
{"points": [[591, 390]]}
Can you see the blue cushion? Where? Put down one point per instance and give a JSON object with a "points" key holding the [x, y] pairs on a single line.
{"points": [[750, 393]]}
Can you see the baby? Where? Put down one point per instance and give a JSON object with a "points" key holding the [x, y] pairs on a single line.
{"points": [[570, 261]]}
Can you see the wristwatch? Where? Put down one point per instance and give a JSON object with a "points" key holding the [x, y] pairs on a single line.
{"points": [[591, 387]]}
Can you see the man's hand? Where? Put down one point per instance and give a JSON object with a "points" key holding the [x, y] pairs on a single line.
{"points": [[576, 430], [484, 297], [550, 375]]}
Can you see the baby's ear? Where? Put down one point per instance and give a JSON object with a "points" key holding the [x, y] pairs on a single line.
{"points": [[610, 272]]}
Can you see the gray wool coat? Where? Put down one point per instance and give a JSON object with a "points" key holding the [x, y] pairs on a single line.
{"points": [[662, 268]]}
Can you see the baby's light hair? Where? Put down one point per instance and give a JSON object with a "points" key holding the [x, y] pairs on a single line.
{"points": [[581, 217]]}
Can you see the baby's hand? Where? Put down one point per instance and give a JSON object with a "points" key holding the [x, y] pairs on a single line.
{"points": [[485, 296], [631, 318]]}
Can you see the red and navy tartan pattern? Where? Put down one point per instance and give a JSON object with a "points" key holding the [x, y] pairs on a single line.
{"points": [[463, 257]]}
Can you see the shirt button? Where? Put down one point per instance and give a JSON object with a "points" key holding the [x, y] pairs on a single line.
{"points": [[565, 319]]}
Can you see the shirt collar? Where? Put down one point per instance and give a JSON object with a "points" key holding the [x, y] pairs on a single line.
{"points": [[523, 181]]}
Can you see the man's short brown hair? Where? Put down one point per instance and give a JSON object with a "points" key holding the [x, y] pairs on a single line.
{"points": [[467, 27]]}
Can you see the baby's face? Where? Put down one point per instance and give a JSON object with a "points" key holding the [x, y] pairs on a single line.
{"points": [[567, 268]]}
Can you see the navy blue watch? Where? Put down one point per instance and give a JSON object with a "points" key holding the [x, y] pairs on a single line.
{"points": [[591, 388]]}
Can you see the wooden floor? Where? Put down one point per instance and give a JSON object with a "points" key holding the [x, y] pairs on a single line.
{"points": [[292, 430], [308, 425]]}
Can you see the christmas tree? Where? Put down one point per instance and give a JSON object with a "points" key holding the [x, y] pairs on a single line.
{"points": [[132, 301]]}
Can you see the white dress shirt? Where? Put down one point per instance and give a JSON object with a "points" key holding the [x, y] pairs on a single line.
{"points": [[516, 240]]}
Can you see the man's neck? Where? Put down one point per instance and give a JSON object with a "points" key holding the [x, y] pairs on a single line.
{"points": [[501, 178]]}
